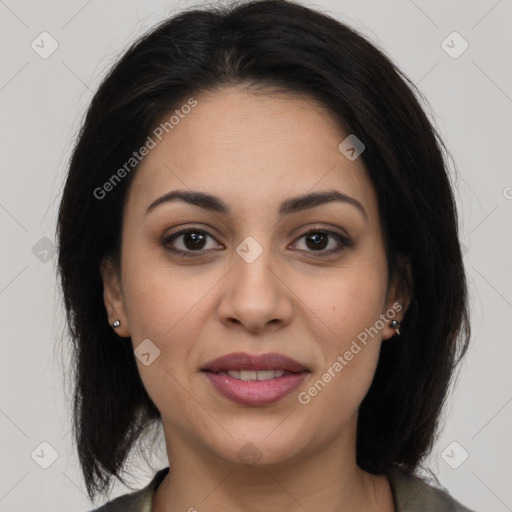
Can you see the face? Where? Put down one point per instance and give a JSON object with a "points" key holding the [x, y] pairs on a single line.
{"points": [[295, 292]]}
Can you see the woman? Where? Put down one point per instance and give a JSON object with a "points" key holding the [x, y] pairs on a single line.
{"points": [[259, 251]]}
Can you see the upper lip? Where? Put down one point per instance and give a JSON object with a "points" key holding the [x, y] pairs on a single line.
{"points": [[261, 362]]}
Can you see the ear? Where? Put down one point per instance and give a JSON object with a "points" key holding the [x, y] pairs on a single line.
{"points": [[113, 297], [399, 294]]}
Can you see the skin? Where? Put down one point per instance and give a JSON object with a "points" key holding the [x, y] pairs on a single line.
{"points": [[254, 151]]}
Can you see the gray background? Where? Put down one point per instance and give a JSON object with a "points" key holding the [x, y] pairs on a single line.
{"points": [[42, 101]]}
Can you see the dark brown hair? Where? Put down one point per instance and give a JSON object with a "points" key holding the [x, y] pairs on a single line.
{"points": [[272, 45]]}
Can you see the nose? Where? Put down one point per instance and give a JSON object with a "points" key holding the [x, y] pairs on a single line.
{"points": [[256, 295]]}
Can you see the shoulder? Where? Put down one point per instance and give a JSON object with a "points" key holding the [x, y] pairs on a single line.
{"points": [[413, 494], [138, 501]]}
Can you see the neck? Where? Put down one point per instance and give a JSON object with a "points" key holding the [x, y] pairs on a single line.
{"points": [[322, 482]]}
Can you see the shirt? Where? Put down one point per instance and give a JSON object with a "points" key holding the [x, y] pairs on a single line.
{"points": [[410, 493]]}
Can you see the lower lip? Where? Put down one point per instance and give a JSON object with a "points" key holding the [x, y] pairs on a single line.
{"points": [[256, 392]]}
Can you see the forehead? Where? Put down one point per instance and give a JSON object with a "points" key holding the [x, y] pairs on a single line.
{"points": [[257, 149]]}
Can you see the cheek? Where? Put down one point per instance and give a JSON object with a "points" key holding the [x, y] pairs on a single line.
{"points": [[349, 352], [168, 310], [161, 299], [170, 307], [347, 301], [349, 305]]}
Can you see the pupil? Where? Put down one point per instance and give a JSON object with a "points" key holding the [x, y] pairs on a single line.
{"points": [[197, 239], [316, 238]]}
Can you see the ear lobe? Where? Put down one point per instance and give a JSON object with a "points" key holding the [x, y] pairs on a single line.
{"points": [[399, 293], [113, 297]]}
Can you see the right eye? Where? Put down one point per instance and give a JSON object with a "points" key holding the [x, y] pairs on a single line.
{"points": [[191, 240]]}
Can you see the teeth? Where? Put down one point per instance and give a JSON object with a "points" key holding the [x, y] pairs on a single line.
{"points": [[255, 375], [247, 375], [269, 374]]}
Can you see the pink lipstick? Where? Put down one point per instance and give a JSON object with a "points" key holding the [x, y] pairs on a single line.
{"points": [[255, 380]]}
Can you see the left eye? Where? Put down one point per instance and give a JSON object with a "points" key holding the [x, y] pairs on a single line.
{"points": [[317, 240], [194, 241]]}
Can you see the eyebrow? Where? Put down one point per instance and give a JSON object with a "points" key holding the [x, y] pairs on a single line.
{"points": [[291, 205]]}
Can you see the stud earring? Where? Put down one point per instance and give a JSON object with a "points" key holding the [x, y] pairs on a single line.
{"points": [[395, 324], [116, 324]]}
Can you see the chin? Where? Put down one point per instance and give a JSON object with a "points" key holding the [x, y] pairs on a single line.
{"points": [[262, 445]]}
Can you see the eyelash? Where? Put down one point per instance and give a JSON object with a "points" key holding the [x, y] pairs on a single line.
{"points": [[343, 241]]}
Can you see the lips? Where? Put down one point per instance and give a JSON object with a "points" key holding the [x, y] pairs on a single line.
{"points": [[262, 362], [255, 380]]}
